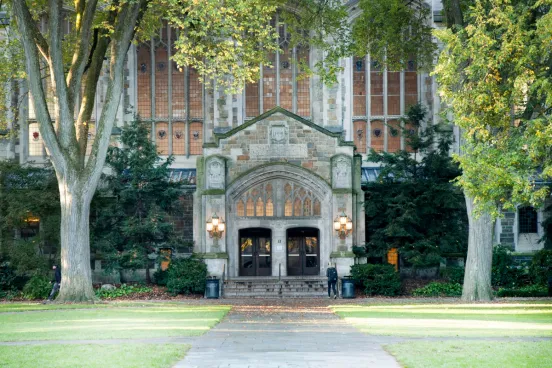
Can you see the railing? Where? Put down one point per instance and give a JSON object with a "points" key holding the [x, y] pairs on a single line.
{"points": [[279, 272], [222, 279]]}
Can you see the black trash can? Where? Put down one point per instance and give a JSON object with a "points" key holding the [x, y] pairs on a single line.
{"points": [[212, 287], [549, 285], [347, 288]]}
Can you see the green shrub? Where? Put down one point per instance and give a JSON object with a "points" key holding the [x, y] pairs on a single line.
{"points": [[9, 294], [523, 291], [454, 275], [436, 289], [504, 272], [377, 279], [541, 266], [186, 276], [38, 287], [160, 277], [123, 290]]}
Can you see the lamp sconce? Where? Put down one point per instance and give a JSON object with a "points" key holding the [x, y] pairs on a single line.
{"points": [[215, 227], [343, 225], [359, 133]]}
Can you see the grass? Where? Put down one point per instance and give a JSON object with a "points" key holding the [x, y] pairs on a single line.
{"points": [[480, 354], [463, 320], [92, 356], [110, 321]]}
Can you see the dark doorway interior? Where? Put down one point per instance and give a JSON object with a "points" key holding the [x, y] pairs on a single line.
{"points": [[255, 252], [303, 251]]}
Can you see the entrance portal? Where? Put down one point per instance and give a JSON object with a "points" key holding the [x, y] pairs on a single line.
{"points": [[255, 252], [303, 252]]}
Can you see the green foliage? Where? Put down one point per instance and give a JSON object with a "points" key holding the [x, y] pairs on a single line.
{"points": [[122, 291], [413, 206], [523, 291], [160, 277], [494, 74], [454, 275], [504, 272], [9, 280], [186, 276], [38, 287], [377, 279], [132, 213], [436, 289], [26, 259], [394, 32], [541, 266]]}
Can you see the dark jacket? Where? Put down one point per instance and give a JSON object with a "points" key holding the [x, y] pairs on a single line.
{"points": [[331, 274], [57, 276]]}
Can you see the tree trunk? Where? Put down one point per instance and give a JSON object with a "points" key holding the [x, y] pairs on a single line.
{"points": [[477, 279], [76, 272]]}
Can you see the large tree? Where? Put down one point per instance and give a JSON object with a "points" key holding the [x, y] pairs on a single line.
{"points": [[495, 74], [219, 38]]}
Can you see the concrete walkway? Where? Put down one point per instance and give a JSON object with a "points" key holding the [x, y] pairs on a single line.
{"points": [[286, 336]]}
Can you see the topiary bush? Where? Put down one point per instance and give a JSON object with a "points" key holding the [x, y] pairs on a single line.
{"points": [[377, 279], [454, 275], [38, 287], [186, 276], [541, 266], [523, 291], [436, 289]]}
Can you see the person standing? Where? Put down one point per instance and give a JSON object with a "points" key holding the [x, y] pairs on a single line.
{"points": [[56, 282], [331, 274]]}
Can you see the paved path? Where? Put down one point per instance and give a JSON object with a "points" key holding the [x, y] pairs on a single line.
{"points": [[286, 336]]}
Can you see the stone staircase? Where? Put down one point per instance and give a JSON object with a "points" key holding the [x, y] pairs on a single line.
{"points": [[273, 287]]}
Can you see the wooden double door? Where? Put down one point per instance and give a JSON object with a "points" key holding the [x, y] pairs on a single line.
{"points": [[303, 252], [255, 252]]}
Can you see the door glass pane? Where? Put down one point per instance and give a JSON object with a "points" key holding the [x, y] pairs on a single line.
{"points": [[264, 261], [311, 261], [294, 261], [311, 245], [293, 245], [264, 245], [246, 246], [247, 261]]}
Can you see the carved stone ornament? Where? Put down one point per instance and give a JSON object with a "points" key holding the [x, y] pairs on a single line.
{"points": [[279, 134], [215, 173], [342, 172]]}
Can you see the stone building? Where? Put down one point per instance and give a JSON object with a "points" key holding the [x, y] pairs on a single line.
{"points": [[277, 163]]}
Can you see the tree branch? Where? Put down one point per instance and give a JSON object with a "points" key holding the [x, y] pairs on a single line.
{"points": [[85, 17], [27, 29]]}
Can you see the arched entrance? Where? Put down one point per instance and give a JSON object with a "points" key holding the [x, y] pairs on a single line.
{"points": [[255, 258], [303, 251]]}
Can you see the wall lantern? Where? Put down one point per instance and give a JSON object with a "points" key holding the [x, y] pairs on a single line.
{"points": [[215, 227], [343, 225]]}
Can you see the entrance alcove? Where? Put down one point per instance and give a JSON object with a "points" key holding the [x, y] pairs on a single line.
{"points": [[267, 208]]}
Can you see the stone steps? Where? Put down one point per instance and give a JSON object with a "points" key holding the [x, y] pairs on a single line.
{"points": [[269, 287]]}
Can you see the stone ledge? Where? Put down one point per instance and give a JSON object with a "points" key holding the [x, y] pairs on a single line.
{"points": [[342, 255], [212, 255]]}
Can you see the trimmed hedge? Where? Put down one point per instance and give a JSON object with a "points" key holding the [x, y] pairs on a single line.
{"points": [[524, 291], [377, 279], [541, 266], [436, 289], [186, 276]]}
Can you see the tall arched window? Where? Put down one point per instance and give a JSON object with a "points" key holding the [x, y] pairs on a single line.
{"points": [[297, 201]]}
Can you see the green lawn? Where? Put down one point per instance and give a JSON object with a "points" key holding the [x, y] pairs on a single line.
{"points": [[129, 320], [483, 320], [468, 354], [92, 356]]}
